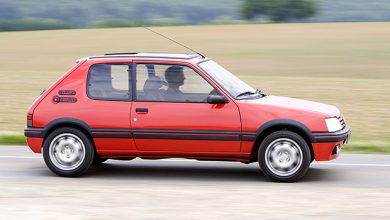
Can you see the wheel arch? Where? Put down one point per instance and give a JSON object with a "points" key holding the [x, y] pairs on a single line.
{"points": [[69, 122], [277, 125]]}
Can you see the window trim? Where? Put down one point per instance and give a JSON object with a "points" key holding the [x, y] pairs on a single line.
{"points": [[130, 75], [168, 63]]}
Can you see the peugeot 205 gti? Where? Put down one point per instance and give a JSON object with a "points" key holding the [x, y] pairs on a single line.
{"points": [[154, 106]]}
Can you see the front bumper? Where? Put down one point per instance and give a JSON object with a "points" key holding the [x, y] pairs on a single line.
{"points": [[328, 145], [322, 137]]}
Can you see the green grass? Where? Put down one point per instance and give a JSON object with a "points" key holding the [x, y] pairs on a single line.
{"points": [[343, 64], [12, 139]]}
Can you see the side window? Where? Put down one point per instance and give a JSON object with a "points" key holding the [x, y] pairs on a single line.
{"points": [[170, 83], [109, 82]]}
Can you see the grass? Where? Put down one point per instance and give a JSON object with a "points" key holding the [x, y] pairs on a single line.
{"points": [[344, 64], [12, 139]]}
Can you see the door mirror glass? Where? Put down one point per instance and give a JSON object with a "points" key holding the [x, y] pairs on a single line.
{"points": [[216, 99]]}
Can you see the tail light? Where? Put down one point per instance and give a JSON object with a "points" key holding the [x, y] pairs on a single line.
{"points": [[29, 120]]}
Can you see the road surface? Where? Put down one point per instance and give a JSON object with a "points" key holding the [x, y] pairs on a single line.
{"points": [[351, 187]]}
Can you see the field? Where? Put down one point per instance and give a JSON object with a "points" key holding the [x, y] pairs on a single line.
{"points": [[345, 64]]}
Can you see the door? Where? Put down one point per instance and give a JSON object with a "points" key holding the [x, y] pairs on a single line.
{"points": [[171, 112], [108, 105]]}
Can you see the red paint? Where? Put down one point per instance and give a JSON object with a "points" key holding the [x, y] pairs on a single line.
{"points": [[35, 144], [323, 151]]}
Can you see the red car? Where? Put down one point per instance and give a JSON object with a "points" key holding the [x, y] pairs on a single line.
{"points": [[156, 105]]}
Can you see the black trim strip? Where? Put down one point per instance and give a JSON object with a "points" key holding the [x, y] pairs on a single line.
{"points": [[248, 137], [33, 132], [321, 137], [110, 130], [248, 133], [112, 135], [186, 137], [169, 131], [166, 134], [185, 131], [332, 139]]}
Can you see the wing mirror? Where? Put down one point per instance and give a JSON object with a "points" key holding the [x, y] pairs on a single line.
{"points": [[216, 99]]}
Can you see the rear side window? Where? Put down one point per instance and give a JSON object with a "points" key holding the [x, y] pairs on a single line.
{"points": [[109, 82]]}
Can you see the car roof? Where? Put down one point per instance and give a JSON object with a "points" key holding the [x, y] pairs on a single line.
{"points": [[147, 55]]}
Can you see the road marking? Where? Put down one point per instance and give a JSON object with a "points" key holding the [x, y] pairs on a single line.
{"points": [[315, 163], [355, 164]]}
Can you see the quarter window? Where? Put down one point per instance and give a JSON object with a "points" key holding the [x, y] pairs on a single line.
{"points": [[109, 82]]}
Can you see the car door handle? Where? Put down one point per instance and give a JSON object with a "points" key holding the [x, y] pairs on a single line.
{"points": [[142, 110]]}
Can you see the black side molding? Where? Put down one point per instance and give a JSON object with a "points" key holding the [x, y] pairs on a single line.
{"points": [[34, 132], [41, 132], [321, 137]]}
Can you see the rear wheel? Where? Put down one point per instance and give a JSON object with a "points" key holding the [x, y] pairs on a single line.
{"points": [[68, 152], [284, 156]]}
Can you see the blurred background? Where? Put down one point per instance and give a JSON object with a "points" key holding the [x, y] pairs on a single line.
{"points": [[330, 51]]}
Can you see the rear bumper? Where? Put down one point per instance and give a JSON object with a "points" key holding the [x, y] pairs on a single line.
{"points": [[328, 145], [34, 132], [34, 138], [35, 144]]}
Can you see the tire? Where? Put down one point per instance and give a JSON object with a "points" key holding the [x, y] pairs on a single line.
{"points": [[68, 152], [284, 156], [98, 160]]}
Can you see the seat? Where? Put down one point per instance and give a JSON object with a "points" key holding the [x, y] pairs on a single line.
{"points": [[152, 88]]}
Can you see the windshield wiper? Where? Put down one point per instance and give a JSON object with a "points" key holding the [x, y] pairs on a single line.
{"points": [[251, 93], [262, 94], [247, 93]]}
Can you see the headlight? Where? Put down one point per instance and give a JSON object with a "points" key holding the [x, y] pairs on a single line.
{"points": [[333, 124]]}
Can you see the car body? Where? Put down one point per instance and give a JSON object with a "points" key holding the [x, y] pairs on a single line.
{"points": [[156, 105]]}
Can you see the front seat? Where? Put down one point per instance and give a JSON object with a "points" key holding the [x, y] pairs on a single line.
{"points": [[152, 88]]}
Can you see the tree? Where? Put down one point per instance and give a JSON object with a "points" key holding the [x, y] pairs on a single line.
{"points": [[278, 10]]}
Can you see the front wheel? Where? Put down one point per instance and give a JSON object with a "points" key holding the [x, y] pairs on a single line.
{"points": [[68, 152], [284, 156]]}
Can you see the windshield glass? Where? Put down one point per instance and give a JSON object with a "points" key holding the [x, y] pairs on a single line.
{"points": [[232, 84]]}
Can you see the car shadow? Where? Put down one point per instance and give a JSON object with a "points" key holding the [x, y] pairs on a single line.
{"points": [[196, 171]]}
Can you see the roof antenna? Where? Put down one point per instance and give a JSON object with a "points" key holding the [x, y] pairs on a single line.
{"points": [[170, 39]]}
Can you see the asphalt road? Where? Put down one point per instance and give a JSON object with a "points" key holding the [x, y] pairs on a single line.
{"points": [[351, 187]]}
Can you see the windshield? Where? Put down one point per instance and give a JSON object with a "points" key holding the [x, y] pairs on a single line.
{"points": [[232, 84]]}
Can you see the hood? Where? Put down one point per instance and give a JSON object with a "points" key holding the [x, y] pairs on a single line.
{"points": [[299, 105]]}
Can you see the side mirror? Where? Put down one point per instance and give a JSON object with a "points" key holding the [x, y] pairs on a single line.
{"points": [[216, 99]]}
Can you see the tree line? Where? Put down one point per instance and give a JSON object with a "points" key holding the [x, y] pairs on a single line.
{"points": [[60, 14]]}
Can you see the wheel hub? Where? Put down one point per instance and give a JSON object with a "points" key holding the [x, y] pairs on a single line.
{"points": [[67, 151], [283, 156]]}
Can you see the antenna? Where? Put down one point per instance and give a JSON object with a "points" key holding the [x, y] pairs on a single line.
{"points": [[170, 39]]}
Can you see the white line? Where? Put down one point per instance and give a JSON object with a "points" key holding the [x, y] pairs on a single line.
{"points": [[315, 163], [355, 164], [20, 157]]}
